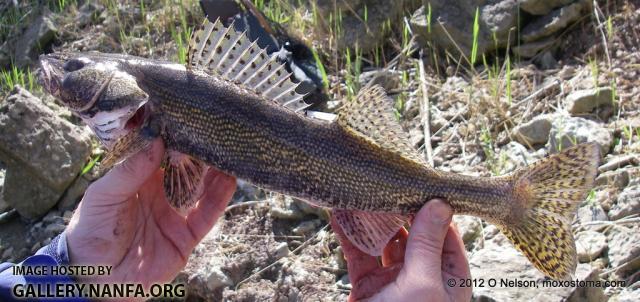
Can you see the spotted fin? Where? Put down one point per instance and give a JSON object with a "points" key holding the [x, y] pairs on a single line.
{"points": [[126, 146], [550, 191], [370, 115], [224, 52], [183, 179], [368, 231]]}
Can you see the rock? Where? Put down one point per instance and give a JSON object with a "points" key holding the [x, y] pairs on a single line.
{"points": [[384, 77], [344, 282], [592, 212], [624, 244], [529, 50], [553, 22], [469, 227], [541, 7], [39, 34], [54, 229], [217, 279], [587, 293], [28, 194], [515, 156], [618, 161], [535, 131], [627, 295], [73, 194], [287, 209], [545, 61], [35, 247], [566, 131], [43, 153], [89, 13], [584, 101], [308, 208], [307, 226], [502, 262], [7, 253], [51, 217], [618, 178], [628, 203], [282, 250], [590, 245], [455, 19], [353, 31]]}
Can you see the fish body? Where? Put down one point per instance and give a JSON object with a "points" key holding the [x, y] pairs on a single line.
{"points": [[235, 109]]}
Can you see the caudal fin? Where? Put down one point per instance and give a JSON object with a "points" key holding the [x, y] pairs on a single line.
{"points": [[550, 190]]}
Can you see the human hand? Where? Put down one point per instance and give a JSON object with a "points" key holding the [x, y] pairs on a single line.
{"points": [[415, 265], [125, 221]]}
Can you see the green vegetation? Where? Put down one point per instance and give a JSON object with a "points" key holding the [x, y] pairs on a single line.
{"points": [[476, 32], [16, 76]]}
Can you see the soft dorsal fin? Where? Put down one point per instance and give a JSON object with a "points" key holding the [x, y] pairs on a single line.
{"points": [[368, 231], [370, 115], [224, 52]]}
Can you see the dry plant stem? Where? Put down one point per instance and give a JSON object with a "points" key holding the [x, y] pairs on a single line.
{"points": [[604, 37], [424, 114], [302, 246]]}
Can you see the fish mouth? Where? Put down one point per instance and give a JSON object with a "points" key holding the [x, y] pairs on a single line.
{"points": [[52, 72]]}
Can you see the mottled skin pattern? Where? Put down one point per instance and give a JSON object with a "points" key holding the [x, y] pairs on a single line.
{"points": [[355, 165], [238, 132]]}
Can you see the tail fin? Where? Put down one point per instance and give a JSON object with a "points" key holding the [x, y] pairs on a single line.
{"points": [[550, 190]]}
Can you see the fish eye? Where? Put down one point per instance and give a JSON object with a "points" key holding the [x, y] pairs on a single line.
{"points": [[73, 65]]}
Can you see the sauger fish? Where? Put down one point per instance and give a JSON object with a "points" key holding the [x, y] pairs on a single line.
{"points": [[235, 108]]}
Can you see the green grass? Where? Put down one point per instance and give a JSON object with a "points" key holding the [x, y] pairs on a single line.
{"points": [[16, 76], [353, 69], [320, 65], [90, 165], [476, 32]]}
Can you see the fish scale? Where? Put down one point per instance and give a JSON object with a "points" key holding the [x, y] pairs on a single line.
{"points": [[243, 116]]}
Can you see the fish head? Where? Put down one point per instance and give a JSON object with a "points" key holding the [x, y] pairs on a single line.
{"points": [[98, 88]]}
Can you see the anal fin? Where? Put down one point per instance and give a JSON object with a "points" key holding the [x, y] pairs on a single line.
{"points": [[183, 179], [368, 231]]}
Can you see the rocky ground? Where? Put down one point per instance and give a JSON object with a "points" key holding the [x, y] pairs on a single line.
{"points": [[545, 75]]}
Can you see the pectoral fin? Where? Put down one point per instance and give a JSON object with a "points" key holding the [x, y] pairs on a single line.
{"points": [[183, 179], [126, 146], [370, 232]]}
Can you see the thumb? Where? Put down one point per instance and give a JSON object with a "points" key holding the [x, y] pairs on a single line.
{"points": [[125, 179], [423, 257]]}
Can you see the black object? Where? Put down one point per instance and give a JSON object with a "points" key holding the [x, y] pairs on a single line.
{"points": [[298, 58]]}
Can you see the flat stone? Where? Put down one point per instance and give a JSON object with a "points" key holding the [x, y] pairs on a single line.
{"points": [[39, 34], [590, 245], [217, 279], [617, 178], [593, 212], [529, 50], [628, 203], [553, 22], [566, 131], [584, 101], [535, 131], [451, 25], [73, 194], [541, 7], [624, 244], [43, 152]]}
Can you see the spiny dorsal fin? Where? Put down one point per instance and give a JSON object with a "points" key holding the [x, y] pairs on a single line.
{"points": [[370, 115], [368, 231], [224, 52]]}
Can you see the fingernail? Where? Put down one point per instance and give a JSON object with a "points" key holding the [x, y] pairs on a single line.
{"points": [[439, 212]]}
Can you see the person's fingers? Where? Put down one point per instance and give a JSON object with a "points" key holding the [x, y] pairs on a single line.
{"points": [[219, 189], [359, 263], [426, 239], [125, 179], [374, 282], [454, 258], [394, 250]]}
